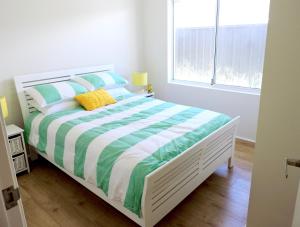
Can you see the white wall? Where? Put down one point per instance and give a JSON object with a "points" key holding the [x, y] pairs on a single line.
{"points": [[38, 36], [155, 60]]}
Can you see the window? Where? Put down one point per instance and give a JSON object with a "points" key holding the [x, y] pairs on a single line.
{"points": [[220, 41]]}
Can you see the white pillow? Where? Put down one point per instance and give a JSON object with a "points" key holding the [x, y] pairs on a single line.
{"points": [[119, 93], [50, 109]]}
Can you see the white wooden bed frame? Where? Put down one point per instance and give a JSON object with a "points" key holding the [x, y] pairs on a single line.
{"points": [[167, 186]]}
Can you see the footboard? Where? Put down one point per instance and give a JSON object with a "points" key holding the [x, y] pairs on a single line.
{"points": [[166, 187]]}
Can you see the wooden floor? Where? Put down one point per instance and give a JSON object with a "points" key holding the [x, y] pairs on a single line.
{"points": [[52, 198]]}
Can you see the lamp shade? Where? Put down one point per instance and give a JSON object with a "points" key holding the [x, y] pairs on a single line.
{"points": [[4, 107], [140, 78]]}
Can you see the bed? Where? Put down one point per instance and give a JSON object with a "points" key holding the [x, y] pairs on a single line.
{"points": [[141, 155]]}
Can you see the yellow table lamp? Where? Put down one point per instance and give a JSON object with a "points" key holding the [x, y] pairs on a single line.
{"points": [[140, 79], [4, 107]]}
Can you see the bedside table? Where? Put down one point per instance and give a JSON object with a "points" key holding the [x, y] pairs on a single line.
{"points": [[17, 148], [147, 95]]}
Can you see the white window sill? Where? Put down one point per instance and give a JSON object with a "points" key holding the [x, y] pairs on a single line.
{"points": [[219, 87]]}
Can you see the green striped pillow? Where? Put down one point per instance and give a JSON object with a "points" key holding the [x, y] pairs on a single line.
{"points": [[47, 94], [94, 81]]}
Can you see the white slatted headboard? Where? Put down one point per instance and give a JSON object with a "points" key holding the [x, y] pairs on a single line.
{"points": [[26, 81]]}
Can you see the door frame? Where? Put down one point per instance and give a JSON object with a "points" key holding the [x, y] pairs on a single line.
{"points": [[15, 216]]}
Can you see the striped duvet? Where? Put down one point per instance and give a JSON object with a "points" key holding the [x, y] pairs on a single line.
{"points": [[115, 147]]}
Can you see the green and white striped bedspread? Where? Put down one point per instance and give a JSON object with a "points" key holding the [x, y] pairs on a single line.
{"points": [[116, 147]]}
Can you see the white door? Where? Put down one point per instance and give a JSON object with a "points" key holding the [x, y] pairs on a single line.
{"points": [[273, 197], [14, 216], [296, 221]]}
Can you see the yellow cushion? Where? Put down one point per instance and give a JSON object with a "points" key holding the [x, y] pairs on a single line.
{"points": [[95, 99]]}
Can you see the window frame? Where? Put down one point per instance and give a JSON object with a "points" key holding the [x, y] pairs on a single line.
{"points": [[171, 59]]}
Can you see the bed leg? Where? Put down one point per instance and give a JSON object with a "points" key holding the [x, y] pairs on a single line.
{"points": [[33, 154], [231, 158], [230, 163], [148, 223]]}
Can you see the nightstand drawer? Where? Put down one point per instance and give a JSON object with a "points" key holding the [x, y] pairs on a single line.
{"points": [[20, 163], [16, 144], [17, 148]]}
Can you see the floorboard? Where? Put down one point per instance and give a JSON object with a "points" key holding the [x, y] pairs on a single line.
{"points": [[52, 198]]}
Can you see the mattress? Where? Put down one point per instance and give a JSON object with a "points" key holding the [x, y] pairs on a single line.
{"points": [[116, 147]]}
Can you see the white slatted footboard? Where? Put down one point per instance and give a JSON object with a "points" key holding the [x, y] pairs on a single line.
{"points": [[167, 186]]}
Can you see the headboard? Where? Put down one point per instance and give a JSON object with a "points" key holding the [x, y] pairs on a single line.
{"points": [[26, 81]]}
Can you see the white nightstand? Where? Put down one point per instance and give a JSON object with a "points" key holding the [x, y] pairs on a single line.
{"points": [[147, 95], [17, 148]]}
